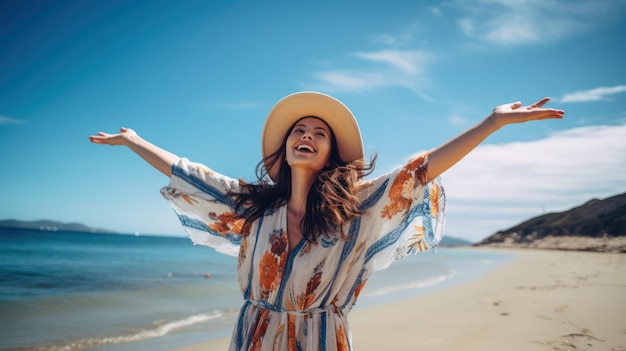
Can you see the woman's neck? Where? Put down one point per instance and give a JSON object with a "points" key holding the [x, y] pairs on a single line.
{"points": [[301, 183]]}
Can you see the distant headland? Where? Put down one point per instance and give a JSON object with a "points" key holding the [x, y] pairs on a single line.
{"points": [[597, 225], [52, 226]]}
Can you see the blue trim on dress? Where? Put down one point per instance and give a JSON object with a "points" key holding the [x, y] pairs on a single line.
{"points": [[242, 313], [348, 245], [353, 231], [374, 197], [323, 330], [251, 273], [203, 186], [326, 243], [392, 237], [349, 298], [429, 234], [200, 225], [287, 271]]}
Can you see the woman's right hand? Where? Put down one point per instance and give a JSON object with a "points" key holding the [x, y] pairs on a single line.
{"points": [[114, 139], [159, 158]]}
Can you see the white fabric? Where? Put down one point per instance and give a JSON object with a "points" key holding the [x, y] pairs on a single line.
{"points": [[299, 300]]}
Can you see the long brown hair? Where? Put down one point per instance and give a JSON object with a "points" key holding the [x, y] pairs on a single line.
{"points": [[332, 199]]}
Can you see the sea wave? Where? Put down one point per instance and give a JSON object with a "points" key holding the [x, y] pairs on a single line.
{"points": [[419, 284], [159, 330]]}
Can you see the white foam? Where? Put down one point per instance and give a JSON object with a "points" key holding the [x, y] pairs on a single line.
{"points": [[145, 334], [424, 283]]}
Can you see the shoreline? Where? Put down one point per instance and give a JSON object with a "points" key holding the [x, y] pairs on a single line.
{"points": [[540, 300]]}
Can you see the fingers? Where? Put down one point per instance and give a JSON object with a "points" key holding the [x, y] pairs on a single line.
{"points": [[549, 113], [541, 102], [558, 114], [100, 138], [516, 105]]}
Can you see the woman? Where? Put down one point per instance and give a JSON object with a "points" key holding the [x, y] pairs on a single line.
{"points": [[311, 231]]}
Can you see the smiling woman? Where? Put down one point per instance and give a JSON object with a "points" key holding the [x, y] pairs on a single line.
{"points": [[311, 231], [308, 145]]}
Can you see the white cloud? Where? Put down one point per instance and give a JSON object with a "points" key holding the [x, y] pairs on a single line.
{"points": [[467, 26], [596, 94], [10, 120], [401, 68], [514, 29], [410, 62], [457, 121], [498, 186], [350, 80], [515, 22]]}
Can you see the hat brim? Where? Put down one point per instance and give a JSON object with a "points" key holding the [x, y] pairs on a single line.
{"points": [[305, 104]]}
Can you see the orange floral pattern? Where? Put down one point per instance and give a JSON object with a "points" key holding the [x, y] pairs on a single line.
{"points": [[301, 298], [306, 299], [260, 329], [434, 197], [243, 252], [360, 287], [292, 332], [270, 267], [342, 339], [403, 187], [228, 222], [416, 241]]}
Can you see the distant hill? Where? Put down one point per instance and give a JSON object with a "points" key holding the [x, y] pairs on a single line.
{"points": [[452, 241], [49, 225], [597, 225]]}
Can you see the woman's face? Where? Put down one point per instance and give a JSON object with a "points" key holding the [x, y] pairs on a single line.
{"points": [[308, 145]]}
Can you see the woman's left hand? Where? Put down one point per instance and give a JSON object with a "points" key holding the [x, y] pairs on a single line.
{"points": [[516, 113], [448, 154]]}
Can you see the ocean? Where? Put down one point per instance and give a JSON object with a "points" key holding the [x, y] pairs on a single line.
{"points": [[109, 292]]}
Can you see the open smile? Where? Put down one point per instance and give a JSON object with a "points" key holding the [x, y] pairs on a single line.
{"points": [[303, 147]]}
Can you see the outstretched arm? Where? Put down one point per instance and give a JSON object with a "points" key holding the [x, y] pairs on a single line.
{"points": [[160, 159], [448, 154]]}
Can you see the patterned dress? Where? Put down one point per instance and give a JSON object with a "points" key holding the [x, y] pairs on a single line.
{"points": [[300, 300]]}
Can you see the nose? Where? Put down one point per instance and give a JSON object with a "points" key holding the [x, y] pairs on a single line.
{"points": [[307, 135]]}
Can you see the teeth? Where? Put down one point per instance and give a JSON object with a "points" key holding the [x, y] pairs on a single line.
{"points": [[304, 147]]}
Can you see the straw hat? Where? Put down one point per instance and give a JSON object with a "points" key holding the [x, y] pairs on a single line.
{"points": [[305, 104]]}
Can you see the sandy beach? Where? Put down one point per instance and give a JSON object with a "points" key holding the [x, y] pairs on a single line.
{"points": [[542, 300]]}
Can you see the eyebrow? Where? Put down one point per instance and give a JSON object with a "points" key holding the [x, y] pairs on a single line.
{"points": [[304, 125]]}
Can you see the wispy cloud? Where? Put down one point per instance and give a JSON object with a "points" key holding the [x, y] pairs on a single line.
{"points": [[382, 68], [401, 40], [9, 120], [515, 22], [596, 94], [410, 62], [457, 121], [352, 80], [498, 186]]}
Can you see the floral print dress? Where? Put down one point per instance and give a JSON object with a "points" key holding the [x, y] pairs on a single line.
{"points": [[300, 300]]}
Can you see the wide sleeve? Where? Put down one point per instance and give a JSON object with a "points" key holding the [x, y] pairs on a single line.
{"points": [[404, 214], [198, 195]]}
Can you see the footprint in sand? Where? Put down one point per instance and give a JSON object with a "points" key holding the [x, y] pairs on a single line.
{"points": [[561, 308]]}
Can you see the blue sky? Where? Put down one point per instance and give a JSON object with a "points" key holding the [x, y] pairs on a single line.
{"points": [[199, 77]]}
